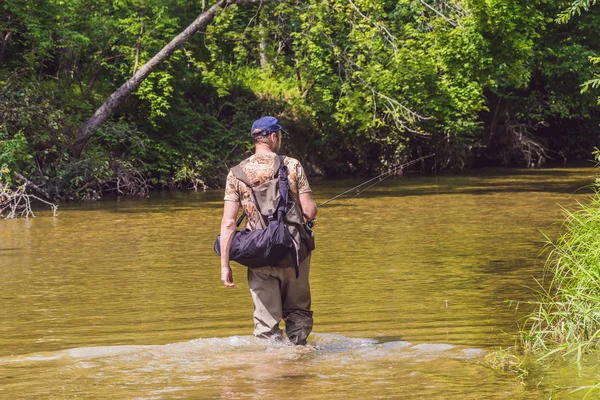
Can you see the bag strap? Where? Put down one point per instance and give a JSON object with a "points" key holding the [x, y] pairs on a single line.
{"points": [[283, 188], [282, 207], [239, 173]]}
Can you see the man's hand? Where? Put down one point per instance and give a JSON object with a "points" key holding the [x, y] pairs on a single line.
{"points": [[227, 276]]}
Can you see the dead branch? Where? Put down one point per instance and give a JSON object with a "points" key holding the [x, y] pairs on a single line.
{"points": [[32, 185], [450, 21], [125, 181], [131, 182], [17, 202], [524, 142], [138, 49]]}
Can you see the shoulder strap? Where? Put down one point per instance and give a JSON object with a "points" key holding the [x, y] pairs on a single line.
{"points": [[278, 163], [239, 173], [282, 207]]}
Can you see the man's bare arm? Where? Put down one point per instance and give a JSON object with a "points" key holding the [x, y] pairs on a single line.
{"points": [[230, 211], [309, 208]]}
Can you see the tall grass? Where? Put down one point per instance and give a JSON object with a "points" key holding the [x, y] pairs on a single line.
{"points": [[567, 317], [565, 323]]}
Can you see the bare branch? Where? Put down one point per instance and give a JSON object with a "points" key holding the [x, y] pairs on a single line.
{"points": [[17, 202], [458, 9], [32, 185], [450, 21], [391, 39], [138, 48]]}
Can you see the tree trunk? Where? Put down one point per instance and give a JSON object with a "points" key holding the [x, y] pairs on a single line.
{"points": [[264, 63], [138, 49], [4, 46], [115, 99]]}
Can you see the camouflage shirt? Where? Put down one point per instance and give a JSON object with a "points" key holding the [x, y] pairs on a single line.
{"points": [[259, 169]]}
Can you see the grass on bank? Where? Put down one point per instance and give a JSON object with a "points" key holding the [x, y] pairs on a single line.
{"points": [[567, 316], [565, 323]]}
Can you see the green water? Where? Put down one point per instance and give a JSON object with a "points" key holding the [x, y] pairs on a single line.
{"points": [[411, 285]]}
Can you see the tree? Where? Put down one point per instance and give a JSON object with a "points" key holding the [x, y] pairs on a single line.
{"points": [[364, 84], [577, 8], [114, 100]]}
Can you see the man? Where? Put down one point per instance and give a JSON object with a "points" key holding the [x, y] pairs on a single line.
{"points": [[276, 292]]}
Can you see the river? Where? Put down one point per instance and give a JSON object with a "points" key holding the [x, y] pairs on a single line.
{"points": [[413, 283]]}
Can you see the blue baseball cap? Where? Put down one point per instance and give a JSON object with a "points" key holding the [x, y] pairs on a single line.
{"points": [[267, 125]]}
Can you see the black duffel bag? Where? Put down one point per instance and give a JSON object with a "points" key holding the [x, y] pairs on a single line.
{"points": [[269, 246]]}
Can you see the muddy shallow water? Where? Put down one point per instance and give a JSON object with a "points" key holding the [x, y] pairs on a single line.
{"points": [[411, 281]]}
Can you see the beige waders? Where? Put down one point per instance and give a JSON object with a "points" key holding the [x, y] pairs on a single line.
{"points": [[278, 295]]}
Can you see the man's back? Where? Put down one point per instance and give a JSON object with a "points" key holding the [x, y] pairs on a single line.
{"points": [[259, 168]]}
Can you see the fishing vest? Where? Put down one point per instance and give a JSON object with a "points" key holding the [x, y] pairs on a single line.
{"points": [[281, 238]]}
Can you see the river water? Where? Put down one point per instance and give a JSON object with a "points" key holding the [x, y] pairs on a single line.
{"points": [[412, 286]]}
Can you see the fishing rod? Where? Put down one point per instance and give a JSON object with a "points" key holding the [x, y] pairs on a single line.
{"points": [[376, 180]]}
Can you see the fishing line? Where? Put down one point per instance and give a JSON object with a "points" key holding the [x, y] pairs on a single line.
{"points": [[376, 180], [390, 173]]}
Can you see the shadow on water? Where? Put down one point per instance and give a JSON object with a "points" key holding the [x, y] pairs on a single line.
{"points": [[484, 182], [474, 182], [401, 189]]}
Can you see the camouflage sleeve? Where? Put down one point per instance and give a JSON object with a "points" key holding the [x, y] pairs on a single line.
{"points": [[231, 188], [303, 186]]}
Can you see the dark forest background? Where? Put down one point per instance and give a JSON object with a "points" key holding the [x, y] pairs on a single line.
{"points": [[361, 85]]}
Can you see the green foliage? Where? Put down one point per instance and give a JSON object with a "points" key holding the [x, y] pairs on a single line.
{"points": [[567, 319], [29, 121], [576, 8], [362, 85], [592, 83], [13, 150]]}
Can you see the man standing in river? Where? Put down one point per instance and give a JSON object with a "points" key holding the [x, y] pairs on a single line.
{"points": [[276, 292]]}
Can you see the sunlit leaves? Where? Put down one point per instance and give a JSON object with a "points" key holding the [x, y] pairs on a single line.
{"points": [[576, 8]]}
